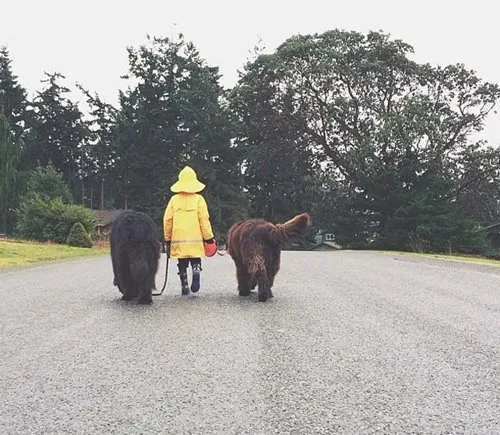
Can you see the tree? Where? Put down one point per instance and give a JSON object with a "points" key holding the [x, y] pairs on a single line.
{"points": [[79, 237], [10, 156], [12, 96], [394, 132], [173, 115], [58, 133], [46, 212], [101, 150], [278, 161], [50, 219], [48, 183], [478, 187], [12, 126]]}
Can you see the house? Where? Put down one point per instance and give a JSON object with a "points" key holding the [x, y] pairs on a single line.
{"points": [[324, 242], [105, 219]]}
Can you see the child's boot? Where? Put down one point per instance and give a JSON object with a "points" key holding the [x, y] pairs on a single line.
{"points": [[195, 285], [184, 280]]}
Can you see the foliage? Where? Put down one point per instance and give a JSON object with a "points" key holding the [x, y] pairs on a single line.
{"points": [[48, 183], [79, 237], [10, 156], [72, 214], [380, 149], [277, 160], [173, 116], [45, 213], [58, 134], [12, 125], [395, 135], [101, 152], [12, 96], [50, 219]]}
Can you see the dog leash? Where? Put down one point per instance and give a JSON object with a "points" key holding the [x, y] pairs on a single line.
{"points": [[222, 252], [166, 276], [219, 252]]}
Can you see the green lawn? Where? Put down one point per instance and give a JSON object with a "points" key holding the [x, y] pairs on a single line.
{"points": [[19, 253], [460, 258]]}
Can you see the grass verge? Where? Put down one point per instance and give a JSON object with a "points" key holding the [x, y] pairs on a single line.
{"points": [[20, 253], [458, 258]]}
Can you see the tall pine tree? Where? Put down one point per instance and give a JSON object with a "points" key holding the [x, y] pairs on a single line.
{"points": [[58, 133], [10, 156], [12, 95], [12, 128], [172, 115]]}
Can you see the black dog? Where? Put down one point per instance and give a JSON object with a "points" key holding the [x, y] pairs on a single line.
{"points": [[135, 254]]}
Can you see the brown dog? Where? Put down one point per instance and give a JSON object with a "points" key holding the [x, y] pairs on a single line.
{"points": [[255, 246]]}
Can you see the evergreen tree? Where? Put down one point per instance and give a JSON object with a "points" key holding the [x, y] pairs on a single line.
{"points": [[12, 96], [58, 134], [171, 116], [10, 157], [79, 237]]}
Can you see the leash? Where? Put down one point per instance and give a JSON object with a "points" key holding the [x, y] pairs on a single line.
{"points": [[221, 253], [166, 276]]}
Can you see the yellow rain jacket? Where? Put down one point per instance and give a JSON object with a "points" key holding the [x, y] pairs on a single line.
{"points": [[186, 224]]}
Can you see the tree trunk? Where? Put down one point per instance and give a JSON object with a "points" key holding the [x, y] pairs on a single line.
{"points": [[102, 194], [4, 220]]}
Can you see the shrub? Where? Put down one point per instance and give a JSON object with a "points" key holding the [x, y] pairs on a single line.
{"points": [[40, 219], [79, 237], [72, 214]]}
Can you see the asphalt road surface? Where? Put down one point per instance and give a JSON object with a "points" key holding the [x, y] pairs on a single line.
{"points": [[352, 343]]}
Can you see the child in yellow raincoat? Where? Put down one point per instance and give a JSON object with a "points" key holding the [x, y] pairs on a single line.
{"points": [[186, 227]]}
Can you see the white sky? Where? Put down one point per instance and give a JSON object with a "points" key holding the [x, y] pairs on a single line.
{"points": [[86, 41]]}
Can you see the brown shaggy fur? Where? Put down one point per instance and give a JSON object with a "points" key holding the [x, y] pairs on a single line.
{"points": [[255, 246]]}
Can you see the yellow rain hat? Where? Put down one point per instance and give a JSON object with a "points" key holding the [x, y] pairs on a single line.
{"points": [[188, 182]]}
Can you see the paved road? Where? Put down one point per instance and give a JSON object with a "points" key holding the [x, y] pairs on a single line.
{"points": [[352, 343]]}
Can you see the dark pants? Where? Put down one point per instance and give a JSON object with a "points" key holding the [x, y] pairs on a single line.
{"points": [[183, 263]]}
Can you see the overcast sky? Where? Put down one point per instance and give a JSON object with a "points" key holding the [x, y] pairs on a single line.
{"points": [[86, 40]]}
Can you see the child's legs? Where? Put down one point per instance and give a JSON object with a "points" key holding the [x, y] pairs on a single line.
{"points": [[195, 261], [182, 264]]}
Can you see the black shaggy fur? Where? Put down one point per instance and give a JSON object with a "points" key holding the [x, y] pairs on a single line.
{"points": [[255, 246], [135, 254]]}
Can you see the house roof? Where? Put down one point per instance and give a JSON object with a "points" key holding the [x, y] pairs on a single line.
{"points": [[329, 244], [105, 217]]}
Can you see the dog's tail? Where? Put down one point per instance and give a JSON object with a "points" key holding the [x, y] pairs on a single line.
{"points": [[291, 230]]}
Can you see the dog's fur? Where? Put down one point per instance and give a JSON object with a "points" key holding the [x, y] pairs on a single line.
{"points": [[255, 246], [135, 254]]}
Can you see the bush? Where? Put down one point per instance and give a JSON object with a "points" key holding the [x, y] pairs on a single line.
{"points": [[493, 254], [79, 237], [40, 219], [71, 215], [45, 212]]}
